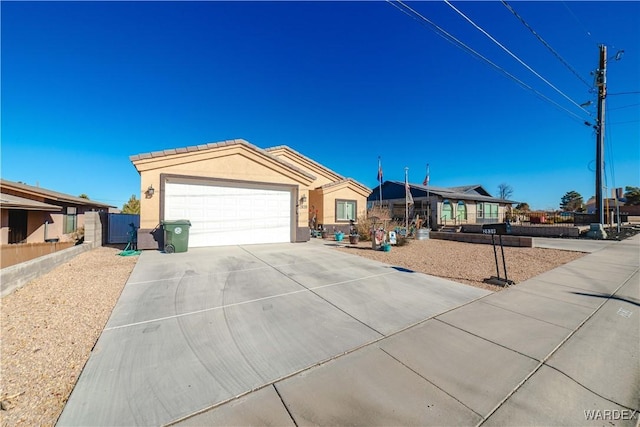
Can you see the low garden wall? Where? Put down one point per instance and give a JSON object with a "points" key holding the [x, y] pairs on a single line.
{"points": [[16, 276], [517, 241], [21, 252], [532, 230]]}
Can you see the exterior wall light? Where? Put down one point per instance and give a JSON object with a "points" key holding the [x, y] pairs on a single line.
{"points": [[150, 191]]}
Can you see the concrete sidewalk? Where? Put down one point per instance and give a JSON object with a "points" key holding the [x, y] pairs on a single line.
{"points": [[559, 349], [578, 245]]}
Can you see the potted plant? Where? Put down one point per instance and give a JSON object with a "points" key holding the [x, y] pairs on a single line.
{"points": [[354, 237], [324, 233], [338, 235]]}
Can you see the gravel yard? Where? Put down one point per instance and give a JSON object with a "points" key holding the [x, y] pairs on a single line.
{"points": [[50, 326], [466, 262], [48, 330]]}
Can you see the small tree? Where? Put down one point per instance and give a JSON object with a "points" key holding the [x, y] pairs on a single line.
{"points": [[132, 206], [632, 194], [571, 202], [523, 207], [505, 191], [84, 196]]}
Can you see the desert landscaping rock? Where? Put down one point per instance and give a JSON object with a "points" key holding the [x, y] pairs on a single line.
{"points": [[466, 262], [48, 330]]}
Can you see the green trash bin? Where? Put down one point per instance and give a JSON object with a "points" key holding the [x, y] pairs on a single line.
{"points": [[176, 235]]}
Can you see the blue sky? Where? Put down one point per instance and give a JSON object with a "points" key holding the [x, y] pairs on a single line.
{"points": [[87, 84]]}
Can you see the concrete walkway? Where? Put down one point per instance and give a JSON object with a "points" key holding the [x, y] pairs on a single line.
{"points": [[559, 349], [579, 245]]}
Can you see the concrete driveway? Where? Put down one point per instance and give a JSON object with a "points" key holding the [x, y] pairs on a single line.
{"points": [[195, 329]]}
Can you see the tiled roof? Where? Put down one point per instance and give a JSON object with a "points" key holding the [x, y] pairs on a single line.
{"points": [[52, 195], [286, 147], [342, 178], [190, 149], [343, 181], [212, 145]]}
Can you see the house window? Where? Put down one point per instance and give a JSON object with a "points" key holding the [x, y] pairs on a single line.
{"points": [[488, 210], [447, 210], [462, 210], [345, 210], [491, 210], [70, 220]]}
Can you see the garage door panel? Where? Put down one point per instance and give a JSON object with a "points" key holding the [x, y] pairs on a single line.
{"points": [[222, 215]]}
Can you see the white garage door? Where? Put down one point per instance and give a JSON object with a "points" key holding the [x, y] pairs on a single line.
{"points": [[229, 215]]}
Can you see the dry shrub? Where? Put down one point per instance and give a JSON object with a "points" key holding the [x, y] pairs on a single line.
{"points": [[383, 220], [402, 241]]}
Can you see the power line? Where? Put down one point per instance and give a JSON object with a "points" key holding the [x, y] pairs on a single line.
{"points": [[576, 18], [622, 123], [623, 93], [514, 56], [624, 106], [453, 40], [556, 54]]}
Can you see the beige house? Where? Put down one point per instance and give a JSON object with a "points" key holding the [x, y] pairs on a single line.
{"points": [[233, 193], [31, 214]]}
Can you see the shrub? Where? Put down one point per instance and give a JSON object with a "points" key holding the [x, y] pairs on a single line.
{"points": [[401, 241], [78, 235], [365, 223]]}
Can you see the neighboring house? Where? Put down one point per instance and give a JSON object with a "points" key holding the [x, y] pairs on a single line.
{"points": [[469, 204], [609, 204], [32, 214], [233, 193]]}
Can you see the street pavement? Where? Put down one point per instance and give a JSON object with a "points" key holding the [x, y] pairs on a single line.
{"points": [[331, 339]]}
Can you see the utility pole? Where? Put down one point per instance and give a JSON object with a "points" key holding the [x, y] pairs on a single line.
{"points": [[602, 94]]}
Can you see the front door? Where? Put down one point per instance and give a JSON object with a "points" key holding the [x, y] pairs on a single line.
{"points": [[17, 225]]}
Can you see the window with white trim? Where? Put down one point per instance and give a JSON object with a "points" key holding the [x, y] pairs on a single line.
{"points": [[346, 210], [491, 210]]}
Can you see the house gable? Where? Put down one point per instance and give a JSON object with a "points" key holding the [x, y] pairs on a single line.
{"points": [[323, 174], [346, 184], [236, 159]]}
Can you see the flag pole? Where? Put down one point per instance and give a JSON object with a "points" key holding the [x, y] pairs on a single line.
{"points": [[406, 200], [428, 200], [380, 179]]}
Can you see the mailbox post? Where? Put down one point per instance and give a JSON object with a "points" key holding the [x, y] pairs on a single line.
{"points": [[498, 230]]}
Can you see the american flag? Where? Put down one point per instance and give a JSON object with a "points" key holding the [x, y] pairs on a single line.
{"points": [[426, 179], [408, 192], [379, 170]]}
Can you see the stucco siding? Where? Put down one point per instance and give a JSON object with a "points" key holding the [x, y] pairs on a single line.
{"points": [[4, 227], [240, 167], [322, 176], [316, 205], [345, 193]]}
